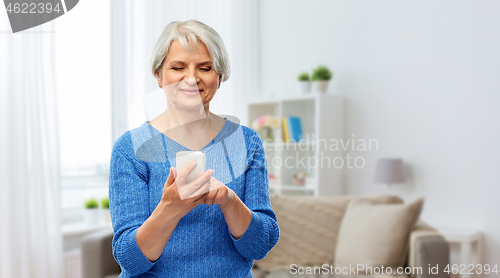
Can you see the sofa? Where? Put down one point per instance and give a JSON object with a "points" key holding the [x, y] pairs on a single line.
{"points": [[309, 229]]}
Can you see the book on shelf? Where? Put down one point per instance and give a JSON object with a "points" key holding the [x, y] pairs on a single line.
{"points": [[292, 129], [285, 135]]}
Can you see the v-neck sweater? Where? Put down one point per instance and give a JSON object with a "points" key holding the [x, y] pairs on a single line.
{"points": [[201, 244]]}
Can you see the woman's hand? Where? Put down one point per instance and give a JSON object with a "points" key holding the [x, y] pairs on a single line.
{"points": [[219, 194], [179, 197], [154, 233], [238, 216]]}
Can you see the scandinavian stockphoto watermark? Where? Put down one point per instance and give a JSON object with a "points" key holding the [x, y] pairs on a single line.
{"points": [[311, 152], [353, 270], [417, 270], [26, 14]]}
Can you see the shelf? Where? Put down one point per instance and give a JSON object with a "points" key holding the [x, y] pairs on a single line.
{"points": [[308, 96], [83, 228], [322, 119]]}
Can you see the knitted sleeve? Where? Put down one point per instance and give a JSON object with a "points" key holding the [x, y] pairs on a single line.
{"points": [[263, 232], [128, 203]]}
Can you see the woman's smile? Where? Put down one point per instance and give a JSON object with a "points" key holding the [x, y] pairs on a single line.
{"points": [[191, 92]]}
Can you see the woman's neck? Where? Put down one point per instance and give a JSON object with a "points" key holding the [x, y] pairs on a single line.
{"points": [[186, 120]]}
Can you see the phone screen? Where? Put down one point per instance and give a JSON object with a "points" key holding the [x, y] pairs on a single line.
{"points": [[184, 157]]}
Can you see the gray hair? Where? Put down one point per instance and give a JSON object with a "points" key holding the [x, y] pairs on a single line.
{"points": [[191, 30]]}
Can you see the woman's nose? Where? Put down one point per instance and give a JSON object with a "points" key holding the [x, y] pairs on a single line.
{"points": [[191, 78], [191, 81]]}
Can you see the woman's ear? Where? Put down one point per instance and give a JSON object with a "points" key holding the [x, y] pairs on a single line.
{"points": [[158, 77], [220, 80]]}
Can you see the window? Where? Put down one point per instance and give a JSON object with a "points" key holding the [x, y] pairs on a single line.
{"points": [[84, 97]]}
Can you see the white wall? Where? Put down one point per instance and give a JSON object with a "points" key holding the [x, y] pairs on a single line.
{"points": [[421, 77]]}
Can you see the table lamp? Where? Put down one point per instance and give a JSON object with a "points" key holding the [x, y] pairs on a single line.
{"points": [[389, 170]]}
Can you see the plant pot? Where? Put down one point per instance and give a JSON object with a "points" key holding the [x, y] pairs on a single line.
{"points": [[320, 86], [91, 216], [268, 134], [304, 87], [105, 215]]}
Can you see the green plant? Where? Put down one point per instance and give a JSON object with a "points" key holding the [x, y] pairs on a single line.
{"points": [[91, 203], [105, 203], [303, 76], [321, 73]]}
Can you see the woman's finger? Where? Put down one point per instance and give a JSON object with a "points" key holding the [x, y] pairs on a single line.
{"points": [[205, 188], [170, 179], [184, 172], [219, 196], [215, 183], [211, 195], [201, 199], [195, 187], [174, 171]]}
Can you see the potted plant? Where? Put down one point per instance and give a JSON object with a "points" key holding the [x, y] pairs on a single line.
{"points": [[106, 216], [320, 78], [91, 212], [266, 123], [304, 85]]}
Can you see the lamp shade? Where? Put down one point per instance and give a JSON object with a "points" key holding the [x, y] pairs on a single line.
{"points": [[389, 170]]}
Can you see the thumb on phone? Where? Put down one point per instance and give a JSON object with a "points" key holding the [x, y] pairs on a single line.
{"points": [[171, 177], [174, 171]]}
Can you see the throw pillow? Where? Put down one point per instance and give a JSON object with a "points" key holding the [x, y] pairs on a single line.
{"points": [[375, 235]]}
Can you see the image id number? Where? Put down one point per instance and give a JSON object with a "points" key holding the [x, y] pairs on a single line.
{"points": [[32, 8], [471, 269]]}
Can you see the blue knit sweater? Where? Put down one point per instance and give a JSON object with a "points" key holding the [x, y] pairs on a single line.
{"points": [[201, 244]]}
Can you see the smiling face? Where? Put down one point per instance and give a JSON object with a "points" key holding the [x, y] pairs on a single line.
{"points": [[188, 78]]}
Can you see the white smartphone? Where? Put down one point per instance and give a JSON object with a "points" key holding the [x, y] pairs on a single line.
{"points": [[182, 158]]}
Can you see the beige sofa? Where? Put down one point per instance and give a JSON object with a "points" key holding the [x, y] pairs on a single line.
{"points": [[308, 237]]}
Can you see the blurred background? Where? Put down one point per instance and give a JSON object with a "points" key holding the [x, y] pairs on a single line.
{"points": [[404, 95]]}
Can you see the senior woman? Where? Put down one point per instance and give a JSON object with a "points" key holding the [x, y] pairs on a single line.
{"points": [[228, 222]]}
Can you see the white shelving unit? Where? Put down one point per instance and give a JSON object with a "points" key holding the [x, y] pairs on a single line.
{"points": [[322, 119]]}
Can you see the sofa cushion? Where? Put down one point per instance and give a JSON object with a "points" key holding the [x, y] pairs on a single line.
{"points": [[308, 229], [376, 235]]}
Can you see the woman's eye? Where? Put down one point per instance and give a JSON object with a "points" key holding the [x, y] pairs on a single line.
{"points": [[205, 69], [176, 68]]}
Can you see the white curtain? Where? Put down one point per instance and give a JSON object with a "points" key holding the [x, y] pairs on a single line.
{"points": [[135, 27], [30, 233]]}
